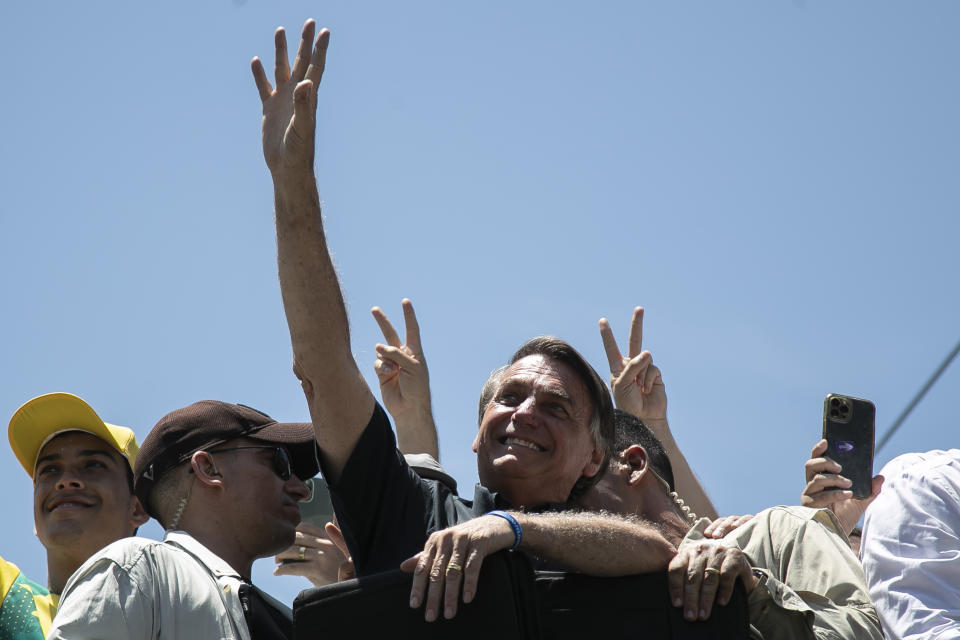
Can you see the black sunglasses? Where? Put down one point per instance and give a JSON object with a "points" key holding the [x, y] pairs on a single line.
{"points": [[280, 460]]}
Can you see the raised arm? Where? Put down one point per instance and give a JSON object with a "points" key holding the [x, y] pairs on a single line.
{"points": [[638, 389], [596, 544], [405, 384], [340, 402]]}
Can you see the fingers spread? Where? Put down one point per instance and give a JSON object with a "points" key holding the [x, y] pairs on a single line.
{"points": [[413, 327], [614, 358], [281, 66], [303, 51], [389, 333], [304, 111], [319, 58], [260, 79], [636, 332]]}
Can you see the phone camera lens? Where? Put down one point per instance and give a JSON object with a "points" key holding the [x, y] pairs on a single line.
{"points": [[834, 402], [834, 413]]}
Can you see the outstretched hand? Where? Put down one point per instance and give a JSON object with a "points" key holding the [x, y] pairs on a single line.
{"points": [[635, 381], [826, 488], [452, 558], [289, 108], [401, 368]]}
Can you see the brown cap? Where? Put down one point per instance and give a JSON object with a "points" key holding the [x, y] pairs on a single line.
{"points": [[208, 423]]}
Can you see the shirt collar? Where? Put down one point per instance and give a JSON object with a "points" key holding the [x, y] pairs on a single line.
{"points": [[217, 565]]}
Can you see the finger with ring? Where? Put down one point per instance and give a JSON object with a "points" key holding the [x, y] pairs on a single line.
{"points": [[453, 566], [301, 553], [711, 571]]}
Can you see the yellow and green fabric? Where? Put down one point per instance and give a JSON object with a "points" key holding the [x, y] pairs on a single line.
{"points": [[26, 608]]}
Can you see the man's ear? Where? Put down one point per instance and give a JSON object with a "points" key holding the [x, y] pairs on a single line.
{"points": [[593, 465], [476, 442], [138, 515], [205, 470], [636, 458]]}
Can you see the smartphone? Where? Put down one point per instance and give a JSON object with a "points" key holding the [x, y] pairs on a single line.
{"points": [[317, 509], [848, 428]]}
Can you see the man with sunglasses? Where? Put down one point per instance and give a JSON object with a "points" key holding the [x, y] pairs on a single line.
{"points": [[224, 480]]}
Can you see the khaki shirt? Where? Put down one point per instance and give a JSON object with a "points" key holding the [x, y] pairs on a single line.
{"points": [[143, 589], [812, 586]]}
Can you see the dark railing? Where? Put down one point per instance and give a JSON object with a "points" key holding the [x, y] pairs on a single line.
{"points": [[514, 601]]}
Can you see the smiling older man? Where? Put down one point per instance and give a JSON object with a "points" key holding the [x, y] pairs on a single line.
{"points": [[542, 437]]}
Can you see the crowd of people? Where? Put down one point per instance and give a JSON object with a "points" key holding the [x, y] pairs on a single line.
{"points": [[575, 474]]}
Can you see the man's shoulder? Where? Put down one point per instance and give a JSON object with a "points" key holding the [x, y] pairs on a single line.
{"points": [[791, 519], [920, 465], [133, 555]]}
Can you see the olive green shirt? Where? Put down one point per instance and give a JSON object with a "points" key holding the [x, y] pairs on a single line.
{"points": [[811, 584]]}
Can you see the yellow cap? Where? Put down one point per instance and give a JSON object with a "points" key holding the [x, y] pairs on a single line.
{"points": [[46, 416]]}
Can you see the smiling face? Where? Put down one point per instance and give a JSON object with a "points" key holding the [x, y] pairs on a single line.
{"points": [[81, 495], [534, 440]]}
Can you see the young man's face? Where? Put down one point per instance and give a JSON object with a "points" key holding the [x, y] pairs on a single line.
{"points": [[81, 495], [534, 440]]}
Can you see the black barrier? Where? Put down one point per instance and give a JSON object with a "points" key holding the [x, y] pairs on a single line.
{"points": [[513, 601]]}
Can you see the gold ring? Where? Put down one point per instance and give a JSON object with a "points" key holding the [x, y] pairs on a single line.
{"points": [[300, 554], [711, 570], [453, 566]]}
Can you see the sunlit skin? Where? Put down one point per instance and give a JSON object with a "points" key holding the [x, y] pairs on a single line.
{"points": [[534, 440], [81, 502], [239, 507]]}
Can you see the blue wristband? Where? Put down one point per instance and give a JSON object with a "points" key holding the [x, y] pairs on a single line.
{"points": [[517, 531]]}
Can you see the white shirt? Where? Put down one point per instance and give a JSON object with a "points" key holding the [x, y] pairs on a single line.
{"points": [[144, 589], [911, 546]]}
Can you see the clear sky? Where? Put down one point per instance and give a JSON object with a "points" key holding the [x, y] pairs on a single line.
{"points": [[776, 182]]}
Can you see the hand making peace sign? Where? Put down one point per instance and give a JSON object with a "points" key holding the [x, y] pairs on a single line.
{"points": [[634, 380], [401, 368]]}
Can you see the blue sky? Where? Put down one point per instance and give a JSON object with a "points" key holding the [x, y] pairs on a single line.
{"points": [[774, 181]]}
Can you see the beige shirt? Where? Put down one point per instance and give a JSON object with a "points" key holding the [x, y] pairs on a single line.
{"points": [[144, 589], [812, 585]]}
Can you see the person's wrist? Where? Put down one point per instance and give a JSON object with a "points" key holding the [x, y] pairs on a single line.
{"points": [[516, 529], [290, 179]]}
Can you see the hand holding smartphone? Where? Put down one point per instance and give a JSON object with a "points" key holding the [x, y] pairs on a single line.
{"points": [[848, 428]]}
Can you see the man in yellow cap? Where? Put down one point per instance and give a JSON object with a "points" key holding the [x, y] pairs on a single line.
{"points": [[82, 500]]}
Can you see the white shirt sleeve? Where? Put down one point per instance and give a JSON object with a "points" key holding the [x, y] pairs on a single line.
{"points": [[911, 547]]}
